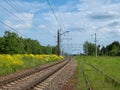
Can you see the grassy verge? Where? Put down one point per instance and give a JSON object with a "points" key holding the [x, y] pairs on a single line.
{"points": [[109, 65], [81, 85]]}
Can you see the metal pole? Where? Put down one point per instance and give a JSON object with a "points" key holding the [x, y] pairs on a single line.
{"points": [[58, 41], [86, 49], [96, 44]]}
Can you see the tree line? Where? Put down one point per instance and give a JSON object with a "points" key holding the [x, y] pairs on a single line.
{"points": [[112, 49], [12, 43]]}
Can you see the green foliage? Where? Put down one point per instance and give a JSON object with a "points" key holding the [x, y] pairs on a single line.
{"points": [[89, 48], [2, 45], [12, 63], [11, 43], [99, 81], [112, 49]]}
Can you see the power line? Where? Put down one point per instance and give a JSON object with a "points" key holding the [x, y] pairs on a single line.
{"points": [[12, 28], [11, 13], [18, 31], [17, 5], [60, 16], [11, 5], [54, 13]]}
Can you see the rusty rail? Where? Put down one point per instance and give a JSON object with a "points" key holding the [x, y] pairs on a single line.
{"points": [[30, 85], [90, 87]]}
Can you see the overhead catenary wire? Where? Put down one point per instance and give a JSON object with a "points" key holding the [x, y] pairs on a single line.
{"points": [[46, 37], [12, 28], [14, 6], [12, 13], [60, 23], [35, 24], [59, 14], [54, 14], [19, 32], [18, 6], [11, 5]]}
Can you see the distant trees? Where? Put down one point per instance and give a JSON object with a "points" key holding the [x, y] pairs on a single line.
{"points": [[89, 48], [112, 49], [11, 43]]}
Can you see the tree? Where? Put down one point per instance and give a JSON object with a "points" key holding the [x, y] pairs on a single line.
{"points": [[11, 43], [89, 48], [112, 49], [2, 46], [103, 51]]}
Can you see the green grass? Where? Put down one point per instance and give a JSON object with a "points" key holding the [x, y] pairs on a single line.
{"points": [[81, 85], [109, 65]]}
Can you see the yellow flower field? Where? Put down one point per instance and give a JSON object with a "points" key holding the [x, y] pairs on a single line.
{"points": [[12, 63]]}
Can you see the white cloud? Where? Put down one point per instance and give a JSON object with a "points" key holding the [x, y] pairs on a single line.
{"points": [[92, 16], [106, 19], [23, 22], [33, 6], [25, 16], [68, 7], [42, 26]]}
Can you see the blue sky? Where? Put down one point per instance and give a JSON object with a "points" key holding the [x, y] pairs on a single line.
{"points": [[34, 19]]}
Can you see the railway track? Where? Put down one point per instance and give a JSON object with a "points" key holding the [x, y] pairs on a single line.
{"points": [[18, 75], [89, 85], [105, 74], [31, 79]]}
